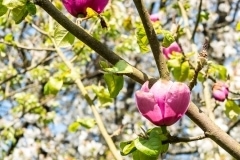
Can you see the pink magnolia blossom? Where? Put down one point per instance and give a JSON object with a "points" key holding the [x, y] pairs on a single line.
{"points": [[164, 103], [220, 91], [154, 17], [77, 7], [174, 47]]}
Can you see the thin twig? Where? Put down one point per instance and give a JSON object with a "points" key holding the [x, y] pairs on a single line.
{"points": [[198, 20], [153, 41], [175, 139], [26, 70], [99, 121], [25, 47]]}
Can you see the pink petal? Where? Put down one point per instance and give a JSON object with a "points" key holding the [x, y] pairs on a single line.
{"points": [[148, 107], [177, 102], [154, 17], [174, 47], [77, 7]]}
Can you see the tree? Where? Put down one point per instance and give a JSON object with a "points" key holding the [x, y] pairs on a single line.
{"points": [[67, 90]]}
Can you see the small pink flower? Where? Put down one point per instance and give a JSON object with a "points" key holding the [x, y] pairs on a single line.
{"points": [[174, 47], [220, 91], [164, 103], [77, 7], [154, 17]]}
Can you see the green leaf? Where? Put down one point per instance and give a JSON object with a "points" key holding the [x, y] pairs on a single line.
{"points": [[11, 4], [73, 127], [87, 122], [142, 39], [152, 145], [174, 63], [103, 64], [168, 38], [53, 86], [204, 15], [8, 37], [31, 8], [3, 9], [201, 77], [123, 67], [232, 110], [114, 84], [19, 13], [238, 26], [191, 74], [127, 147], [137, 155], [184, 71], [62, 37], [218, 71], [102, 94]]}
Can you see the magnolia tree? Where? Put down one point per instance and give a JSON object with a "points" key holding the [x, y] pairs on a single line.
{"points": [[88, 79]]}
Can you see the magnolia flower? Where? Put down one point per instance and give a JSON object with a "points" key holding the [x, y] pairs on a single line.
{"points": [[164, 103], [77, 7], [174, 47], [220, 91]]}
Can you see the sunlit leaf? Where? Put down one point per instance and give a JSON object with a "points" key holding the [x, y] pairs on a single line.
{"points": [[11, 4], [53, 86], [137, 155], [150, 146], [62, 37], [127, 147], [3, 9], [87, 122], [73, 127], [232, 110], [238, 26], [114, 83]]}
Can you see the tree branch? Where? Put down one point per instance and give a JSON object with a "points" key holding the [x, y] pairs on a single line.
{"points": [[86, 38], [153, 41]]}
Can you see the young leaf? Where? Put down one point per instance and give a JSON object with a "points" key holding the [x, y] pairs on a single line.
{"points": [[184, 71], [151, 146], [11, 4], [31, 8], [114, 84], [238, 26], [232, 109], [3, 9], [53, 86], [87, 122], [123, 67], [73, 127], [19, 13], [137, 155], [62, 37], [168, 38], [142, 38], [127, 147]]}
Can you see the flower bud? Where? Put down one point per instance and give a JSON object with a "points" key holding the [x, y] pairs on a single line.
{"points": [[164, 103], [174, 47], [77, 7], [154, 17], [220, 91]]}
